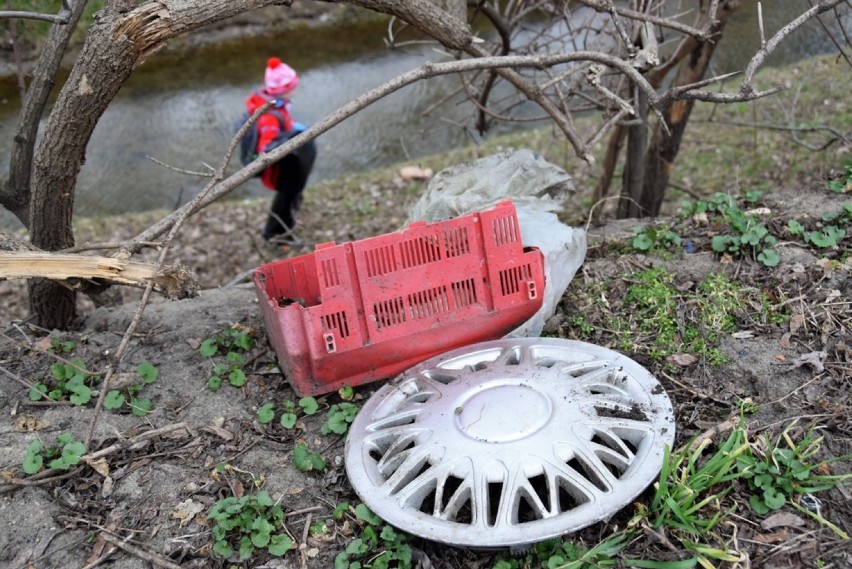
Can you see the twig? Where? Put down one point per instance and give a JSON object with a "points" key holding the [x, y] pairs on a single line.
{"points": [[180, 170], [15, 483], [716, 430], [670, 23], [303, 511], [145, 554], [102, 558], [303, 545], [758, 58], [659, 538], [133, 440]]}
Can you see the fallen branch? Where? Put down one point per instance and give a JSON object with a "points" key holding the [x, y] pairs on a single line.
{"points": [[150, 556], [175, 281]]}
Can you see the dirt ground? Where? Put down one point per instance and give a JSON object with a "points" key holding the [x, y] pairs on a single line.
{"points": [[153, 494]]}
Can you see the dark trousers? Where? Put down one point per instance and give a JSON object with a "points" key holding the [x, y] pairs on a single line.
{"points": [[293, 172]]}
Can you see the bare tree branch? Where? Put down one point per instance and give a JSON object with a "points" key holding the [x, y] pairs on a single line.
{"points": [[779, 36], [601, 6]]}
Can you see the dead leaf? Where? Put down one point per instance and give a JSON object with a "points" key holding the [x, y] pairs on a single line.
{"points": [[813, 359], [187, 510], [777, 537], [29, 424], [220, 432], [101, 466], [294, 491], [784, 342], [45, 343], [759, 211], [782, 519], [825, 265], [106, 489], [797, 320], [194, 343], [743, 335], [409, 173], [683, 360], [780, 357]]}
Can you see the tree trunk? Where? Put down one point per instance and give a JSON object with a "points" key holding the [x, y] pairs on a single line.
{"points": [[665, 145], [15, 194], [630, 204]]}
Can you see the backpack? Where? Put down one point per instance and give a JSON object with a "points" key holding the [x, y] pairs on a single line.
{"points": [[248, 144]]}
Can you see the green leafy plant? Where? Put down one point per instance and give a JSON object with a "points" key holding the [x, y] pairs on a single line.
{"points": [[68, 380], [305, 460], [748, 235], [826, 238], [248, 523], [233, 342], [783, 470], [655, 238], [843, 183], [116, 399], [378, 546], [346, 393], [558, 553], [340, 416], [58, 346], [289, 416], [62, 455]]}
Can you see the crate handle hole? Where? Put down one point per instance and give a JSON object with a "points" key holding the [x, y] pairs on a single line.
{"points": [[532, 290], [330, 345]]}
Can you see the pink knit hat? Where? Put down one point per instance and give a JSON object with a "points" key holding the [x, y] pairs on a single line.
{"points": [[280, 78]]}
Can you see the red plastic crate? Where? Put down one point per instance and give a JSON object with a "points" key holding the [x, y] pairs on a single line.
{"points": [[366, 310]]}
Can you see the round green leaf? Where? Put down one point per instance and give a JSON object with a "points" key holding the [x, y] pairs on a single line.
{"points": [[288, 420], [147, 372], [309, 405], [280, 544], [208, 349], [114, 400], [266, 413], [237, 378]]}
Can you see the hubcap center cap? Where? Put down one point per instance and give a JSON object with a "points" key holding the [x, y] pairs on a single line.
{"points": [[503, 413]]}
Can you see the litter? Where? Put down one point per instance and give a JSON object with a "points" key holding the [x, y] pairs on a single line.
{"points": [[366, 310]]}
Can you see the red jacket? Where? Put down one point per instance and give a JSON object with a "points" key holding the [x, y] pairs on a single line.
{"points": [[268, 127]]}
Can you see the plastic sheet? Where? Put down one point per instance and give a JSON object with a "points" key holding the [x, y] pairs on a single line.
{"points": [[538, 189]]}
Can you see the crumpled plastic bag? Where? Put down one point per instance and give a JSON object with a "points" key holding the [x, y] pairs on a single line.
{"points": [[538, 189]]}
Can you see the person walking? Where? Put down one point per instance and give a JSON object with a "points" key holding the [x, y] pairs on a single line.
{"points": [[288, 176]]}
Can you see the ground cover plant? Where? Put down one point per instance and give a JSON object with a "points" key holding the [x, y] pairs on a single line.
{"points": [[755, 357]]}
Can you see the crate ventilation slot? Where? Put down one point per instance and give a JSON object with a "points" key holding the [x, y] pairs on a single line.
{"points": [[457, 243], [389, 312], [505, 230], [334, 322], [511, 279], [329, 273], [380, 261], [420, 251], [464, 293], [499, 444], [429, 302]]}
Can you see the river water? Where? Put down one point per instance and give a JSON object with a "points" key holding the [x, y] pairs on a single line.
{"points": [[181, 110]]}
